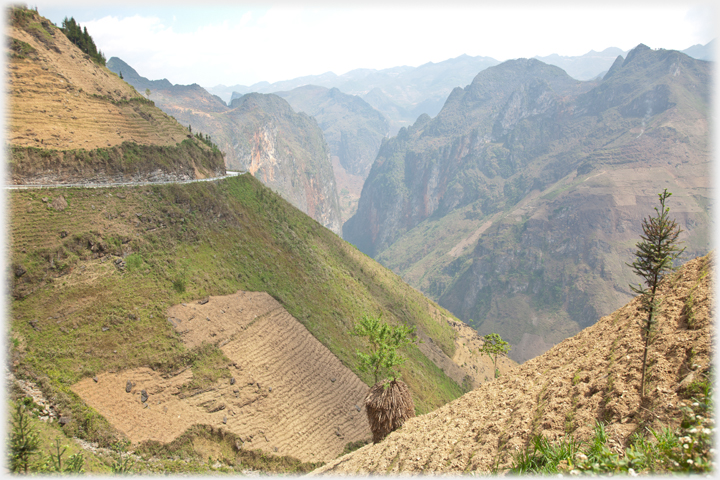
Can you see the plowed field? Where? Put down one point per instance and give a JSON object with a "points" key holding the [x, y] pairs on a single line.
{"points": [[289, 395]]}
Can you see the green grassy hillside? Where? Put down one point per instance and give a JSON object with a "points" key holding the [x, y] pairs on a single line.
{"points": [[92, 282]]}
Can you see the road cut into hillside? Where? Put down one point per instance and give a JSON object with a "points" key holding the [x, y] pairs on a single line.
{"points": [[288, 394]]}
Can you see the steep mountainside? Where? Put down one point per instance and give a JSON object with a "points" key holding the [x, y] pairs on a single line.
{"points": [[592, 377], [260, 134], [518, 206], [71, 120], [353, 130], [109, 285]]}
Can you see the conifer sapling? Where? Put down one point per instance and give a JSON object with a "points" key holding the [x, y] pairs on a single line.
{"points": [[654, 258]]}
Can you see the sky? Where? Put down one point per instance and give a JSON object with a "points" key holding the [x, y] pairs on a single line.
{"points": [[241, 43]]}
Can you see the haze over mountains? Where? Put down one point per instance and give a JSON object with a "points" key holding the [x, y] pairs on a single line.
{"points": [[518, 205]]}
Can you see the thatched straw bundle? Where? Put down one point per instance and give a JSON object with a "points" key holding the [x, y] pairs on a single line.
{"points": [[388, 405]]}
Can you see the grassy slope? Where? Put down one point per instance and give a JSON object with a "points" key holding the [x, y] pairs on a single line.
{"points": [[181, 243]]}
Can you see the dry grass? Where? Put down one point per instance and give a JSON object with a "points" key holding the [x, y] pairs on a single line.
{"points": [[388, 405]]}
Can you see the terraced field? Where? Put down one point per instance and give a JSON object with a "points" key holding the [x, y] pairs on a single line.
{"points": [[287, 393], [58, 98]]}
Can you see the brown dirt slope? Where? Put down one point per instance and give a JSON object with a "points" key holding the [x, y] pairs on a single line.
{"points": [[59, 98], [592, 376], [61, 103], [289, 394]]}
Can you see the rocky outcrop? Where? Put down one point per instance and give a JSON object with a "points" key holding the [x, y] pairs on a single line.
{"points": [[287, 152]]}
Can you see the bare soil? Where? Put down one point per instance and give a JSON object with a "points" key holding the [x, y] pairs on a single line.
{"points": [[592, 376], [290, 396], [58, 98]]}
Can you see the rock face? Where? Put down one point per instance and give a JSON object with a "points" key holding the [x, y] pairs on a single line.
{"points": [[353, 129], [518, 206], [258, 133], [287, 152]]}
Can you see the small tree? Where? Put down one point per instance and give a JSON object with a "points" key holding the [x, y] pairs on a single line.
{"points": [[147, 92], [494, 346], [24, 441], [655, 255], [388, 404], [384, 340]]}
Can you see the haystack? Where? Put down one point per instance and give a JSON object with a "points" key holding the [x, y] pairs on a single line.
{"points": [[388, 405]]}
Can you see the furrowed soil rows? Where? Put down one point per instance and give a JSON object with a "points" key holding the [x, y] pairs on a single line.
{"points": [[288, 394], [594, 375]]}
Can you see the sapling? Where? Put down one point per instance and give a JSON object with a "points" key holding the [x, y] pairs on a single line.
{"points": [[384, 341], [494, 346], [654, 258]]}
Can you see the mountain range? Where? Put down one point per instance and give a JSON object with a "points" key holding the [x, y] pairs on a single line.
{"points": [[518, 205]]}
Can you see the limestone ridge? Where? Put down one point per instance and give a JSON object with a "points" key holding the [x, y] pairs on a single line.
{"points": [[353, 129], [287, 151], [517, 207], [71, 120], [261, 134]]}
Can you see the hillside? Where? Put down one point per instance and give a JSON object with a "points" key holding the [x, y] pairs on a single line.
{"points": [[593, 376], [70, 119], [104, 282], [518, 206], [260, 134]]}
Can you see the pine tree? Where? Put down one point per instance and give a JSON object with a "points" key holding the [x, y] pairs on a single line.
{"points": [[654, 258], [24, 441]]}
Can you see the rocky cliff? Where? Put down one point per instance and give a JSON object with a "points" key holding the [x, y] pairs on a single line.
{"points": [[258, 133], [287, 152], [518, 206]]}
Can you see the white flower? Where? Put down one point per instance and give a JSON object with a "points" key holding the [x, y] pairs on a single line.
{"points": [[689, 461], [693, 430], [695, 404], [632, 473], [574, 472], [686, 446], [706, 431]]}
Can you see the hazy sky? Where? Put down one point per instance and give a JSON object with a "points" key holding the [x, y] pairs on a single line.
{"points": [[242, 43]]}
